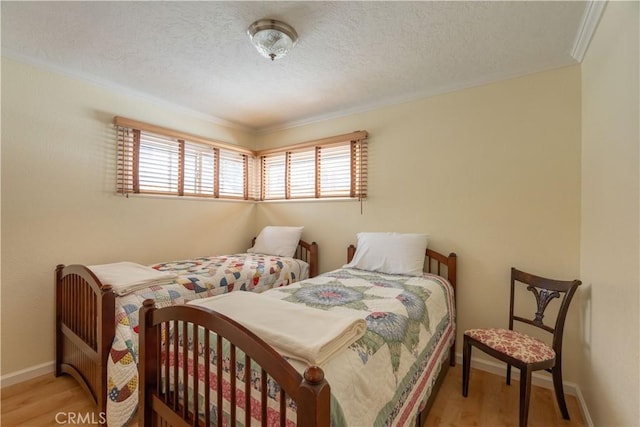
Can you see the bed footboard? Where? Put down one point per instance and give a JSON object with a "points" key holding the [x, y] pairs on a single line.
{"points": [[85, 329], [181, 349]]}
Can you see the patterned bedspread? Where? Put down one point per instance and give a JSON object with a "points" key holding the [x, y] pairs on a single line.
{"points": [[247, 272], [385, 377], [198, 278]]}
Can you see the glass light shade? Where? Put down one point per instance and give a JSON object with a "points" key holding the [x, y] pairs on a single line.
{"points": [[273, 39]]}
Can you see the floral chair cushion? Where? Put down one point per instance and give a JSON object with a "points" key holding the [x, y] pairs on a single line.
{"points": [[514, 344]]}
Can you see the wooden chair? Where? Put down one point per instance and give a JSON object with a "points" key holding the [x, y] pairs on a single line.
{"points": [[517, 349]]}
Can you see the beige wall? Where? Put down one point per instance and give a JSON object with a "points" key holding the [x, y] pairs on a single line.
{"points": [[492, 173], [610, 254], [59, 206]]}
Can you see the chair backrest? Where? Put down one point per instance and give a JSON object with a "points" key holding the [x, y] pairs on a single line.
{"points": [[544, 290]]}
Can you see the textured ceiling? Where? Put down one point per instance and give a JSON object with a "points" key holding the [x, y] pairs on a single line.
{"points": [[350, 56]]}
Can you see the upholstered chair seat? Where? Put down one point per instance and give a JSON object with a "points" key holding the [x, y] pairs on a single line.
{"points": [[514, 344]]}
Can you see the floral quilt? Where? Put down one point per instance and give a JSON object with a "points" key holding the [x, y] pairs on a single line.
{"points": [[385, 377], [247, 272], [197, 278]]}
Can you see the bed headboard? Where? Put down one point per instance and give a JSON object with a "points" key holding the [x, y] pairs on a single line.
{"points": [[434, 263]]}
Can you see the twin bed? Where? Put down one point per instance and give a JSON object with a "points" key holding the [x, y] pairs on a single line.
{"points": [[388, 375], [96, 330]]}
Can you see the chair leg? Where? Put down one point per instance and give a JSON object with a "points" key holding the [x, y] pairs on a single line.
{"points": [[508, 374], [525, 394], [559, 390], [452, 354], [466, 365]]}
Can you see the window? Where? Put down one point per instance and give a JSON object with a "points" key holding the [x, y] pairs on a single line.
{"points": [[332, 167], [200, 169], [153, 160]]}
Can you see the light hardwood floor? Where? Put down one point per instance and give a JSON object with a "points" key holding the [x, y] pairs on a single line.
{"points": [[50, 401], [493, 403]]}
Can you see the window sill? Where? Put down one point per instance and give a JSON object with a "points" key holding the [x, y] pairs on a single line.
{"points": [[190, 198], [313, 200], [210, 199]]}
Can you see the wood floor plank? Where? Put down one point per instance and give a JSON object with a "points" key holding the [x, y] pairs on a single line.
{"points": [[40, 401], [491, 403]]}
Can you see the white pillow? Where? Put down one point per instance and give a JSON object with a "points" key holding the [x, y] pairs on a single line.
{"points": [[391, 253], [279, 241]]}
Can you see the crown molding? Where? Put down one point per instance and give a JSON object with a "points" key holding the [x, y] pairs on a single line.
{"points": [[590, 20]]}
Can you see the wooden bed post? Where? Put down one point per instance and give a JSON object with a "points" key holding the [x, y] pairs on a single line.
{"points": [[148, 362], [452, 273], [313, 255], [351, 251], [58, 324], [314, 409], [106, 333]]}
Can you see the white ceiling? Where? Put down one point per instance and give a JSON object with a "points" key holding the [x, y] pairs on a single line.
{"points": [[350, 56]]}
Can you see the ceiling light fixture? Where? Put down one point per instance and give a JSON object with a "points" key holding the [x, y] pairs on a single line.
{"points": [[273, 39]]}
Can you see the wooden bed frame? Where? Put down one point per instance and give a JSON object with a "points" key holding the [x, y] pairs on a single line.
{"points": [[161, 405], [173, 408], [86, 327]]}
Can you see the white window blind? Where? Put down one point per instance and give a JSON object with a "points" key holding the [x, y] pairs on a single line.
{"points": [[360, 169], [335, 171], [302, 174], [153, 160], [233, 174], [199, 169], [158, 164], [253, 178], [125, 165], [273, 176], [156, 160], [333, 167]]}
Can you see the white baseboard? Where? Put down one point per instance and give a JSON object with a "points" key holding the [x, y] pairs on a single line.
{"points": [[583, 408], [27, 374], [541, 379]]}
